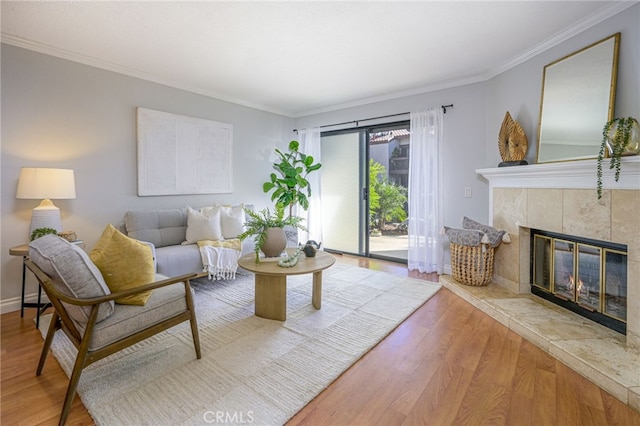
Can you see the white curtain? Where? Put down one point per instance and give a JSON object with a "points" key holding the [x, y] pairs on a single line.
{"points": [[425, 192], [310, 145]]}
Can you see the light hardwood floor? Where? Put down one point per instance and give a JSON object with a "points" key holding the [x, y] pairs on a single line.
{"points": [[447, 364]]}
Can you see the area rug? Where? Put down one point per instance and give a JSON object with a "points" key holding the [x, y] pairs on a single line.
{"points": [[252, 370]]}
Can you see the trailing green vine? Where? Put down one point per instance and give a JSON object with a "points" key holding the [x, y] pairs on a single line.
{"points": [[617, 143]]}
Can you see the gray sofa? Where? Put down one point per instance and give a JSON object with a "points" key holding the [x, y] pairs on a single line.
{"points": [[165, 231]]}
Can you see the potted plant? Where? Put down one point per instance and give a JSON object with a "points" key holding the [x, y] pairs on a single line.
{"points": [[41, 232], [290, 185], [268, 229], [620, 137]]}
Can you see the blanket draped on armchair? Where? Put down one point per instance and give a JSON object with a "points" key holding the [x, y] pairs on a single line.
{"points": [[220, 258]]}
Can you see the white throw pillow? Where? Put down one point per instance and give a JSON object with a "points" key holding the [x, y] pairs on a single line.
{"points": [[210, 210], [232, 220], [203, 226]]}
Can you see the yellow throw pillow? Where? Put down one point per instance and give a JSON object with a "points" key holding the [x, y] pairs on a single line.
{"points": [[124, 263]]}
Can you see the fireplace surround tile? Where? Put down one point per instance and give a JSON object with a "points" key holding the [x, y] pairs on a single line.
{"points": [[617, 374], [544, 208], [512, 205], [625, 221], [634, 397], [586, 216]]}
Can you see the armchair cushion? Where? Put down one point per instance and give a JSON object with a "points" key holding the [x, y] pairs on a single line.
{"points": [[72, 273], [164, 303], [125, 263]]}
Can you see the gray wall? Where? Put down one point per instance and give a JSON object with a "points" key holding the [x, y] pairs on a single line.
{"points": [[472, 126], [56, 113], [518, 90], [464, 145]]}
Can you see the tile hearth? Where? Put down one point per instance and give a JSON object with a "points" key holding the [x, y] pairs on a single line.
{"points": [[592, 350]]}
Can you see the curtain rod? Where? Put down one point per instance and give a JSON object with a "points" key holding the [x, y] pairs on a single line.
{"points": [[444, 111]]}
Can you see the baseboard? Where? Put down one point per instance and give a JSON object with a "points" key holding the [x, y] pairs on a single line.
{"points": [[13, 304]]}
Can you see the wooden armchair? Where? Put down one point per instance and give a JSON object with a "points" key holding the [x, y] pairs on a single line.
{"points": [[95, 325]]}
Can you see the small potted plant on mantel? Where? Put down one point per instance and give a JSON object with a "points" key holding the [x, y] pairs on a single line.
{"points": [[620, 137]]}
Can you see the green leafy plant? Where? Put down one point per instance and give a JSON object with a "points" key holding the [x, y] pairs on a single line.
{"points": [[290, 185], [386, 199], [41, 232], [258, 223], [617, 135]]}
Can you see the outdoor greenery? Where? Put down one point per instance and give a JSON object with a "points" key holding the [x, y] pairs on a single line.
{"points": [[386, 199], [290, 185]]}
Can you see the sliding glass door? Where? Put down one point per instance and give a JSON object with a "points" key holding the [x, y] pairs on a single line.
{"points": [[364, 191], [341, 184]]}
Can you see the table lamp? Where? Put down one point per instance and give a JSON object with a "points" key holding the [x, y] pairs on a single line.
{"points": [[45, 184]]}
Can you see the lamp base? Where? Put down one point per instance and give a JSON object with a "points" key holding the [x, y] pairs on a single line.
{"points": [[46, 215]]}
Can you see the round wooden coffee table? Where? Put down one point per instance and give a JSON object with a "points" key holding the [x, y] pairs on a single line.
{"points": [[271, 282]]}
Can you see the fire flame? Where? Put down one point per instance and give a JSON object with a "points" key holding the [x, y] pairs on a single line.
{"points": [[572, 283]]}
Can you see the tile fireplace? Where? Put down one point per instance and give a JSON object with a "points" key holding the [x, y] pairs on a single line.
{"points": [[560, 199]]}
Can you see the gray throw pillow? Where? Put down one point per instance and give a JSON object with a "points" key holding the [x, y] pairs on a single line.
{"points": [[72, 273], [464, 237], [494, 236]]}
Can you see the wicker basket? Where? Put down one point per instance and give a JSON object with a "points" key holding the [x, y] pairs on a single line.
{"points": [[472, 265]]}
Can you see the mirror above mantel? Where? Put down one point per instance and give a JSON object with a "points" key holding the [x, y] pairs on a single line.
{"points": [[578, 96]]}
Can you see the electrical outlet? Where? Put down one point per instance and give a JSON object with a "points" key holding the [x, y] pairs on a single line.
{"points": [[467, 192]]}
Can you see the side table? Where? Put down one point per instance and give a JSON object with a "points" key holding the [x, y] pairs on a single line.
{"points": [[23, 250]]}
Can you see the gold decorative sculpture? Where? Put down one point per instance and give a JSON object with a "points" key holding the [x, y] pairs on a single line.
{"points": [[512, 141]]}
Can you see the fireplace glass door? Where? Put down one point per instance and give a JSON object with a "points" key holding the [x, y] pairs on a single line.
{"points": [[563, 269], [586, 276], [542, 262], [615, 277], [587, 282]]}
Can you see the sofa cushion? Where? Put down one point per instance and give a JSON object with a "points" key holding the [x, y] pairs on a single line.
{"points": [[72, 273], [203, 226], [160, 227], [125, 263], [177, 260]]}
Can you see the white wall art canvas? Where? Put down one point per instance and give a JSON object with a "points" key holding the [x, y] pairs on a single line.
{"points": [[183, 155]]}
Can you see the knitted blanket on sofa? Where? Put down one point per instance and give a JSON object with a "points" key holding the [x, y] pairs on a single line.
{"points": [[220, 258]]}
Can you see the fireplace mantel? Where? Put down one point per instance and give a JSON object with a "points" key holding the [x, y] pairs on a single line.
{"points": [[579, 174]]}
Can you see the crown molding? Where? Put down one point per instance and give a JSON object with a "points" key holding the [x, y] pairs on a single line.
{"points": [[131, 72], [604, 13]]}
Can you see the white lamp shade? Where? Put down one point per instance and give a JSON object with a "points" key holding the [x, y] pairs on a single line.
{"points": [[36, 183], [44, 184]]}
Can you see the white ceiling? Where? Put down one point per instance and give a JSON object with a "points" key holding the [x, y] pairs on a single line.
{"points": [[297, 58]]}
